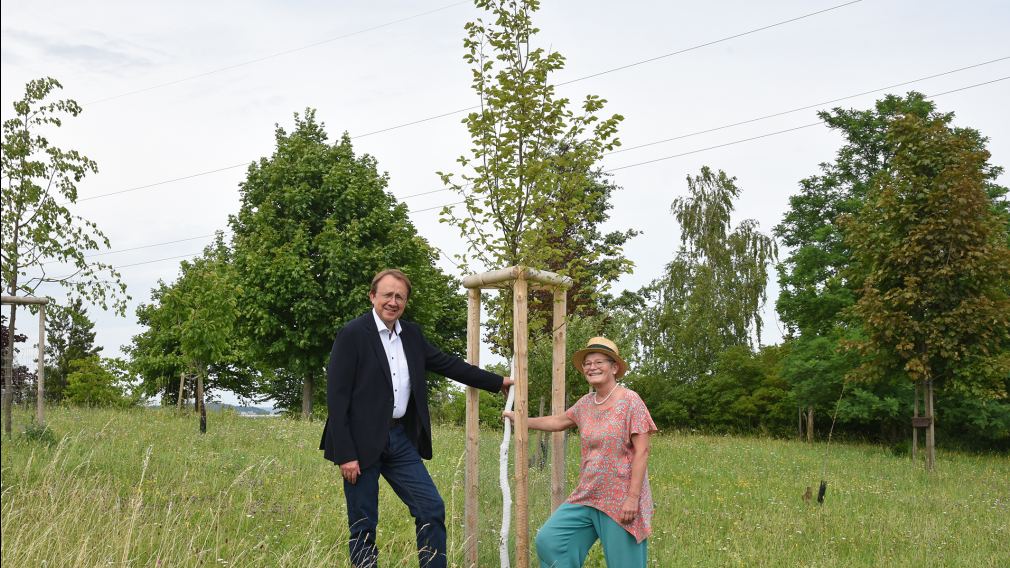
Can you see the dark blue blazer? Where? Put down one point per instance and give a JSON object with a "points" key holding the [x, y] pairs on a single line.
{"points": [[359, 391]]}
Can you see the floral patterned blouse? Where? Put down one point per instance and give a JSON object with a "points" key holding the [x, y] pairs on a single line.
{"points": [[605, 473]]}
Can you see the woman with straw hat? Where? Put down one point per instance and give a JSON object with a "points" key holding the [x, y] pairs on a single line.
{"points": [[612, 502]]}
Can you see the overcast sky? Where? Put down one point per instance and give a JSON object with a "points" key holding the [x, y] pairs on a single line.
{"points": [[172, 90]]}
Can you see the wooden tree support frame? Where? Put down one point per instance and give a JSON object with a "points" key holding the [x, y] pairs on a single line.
{"points": [[8, 394], [519, 278]]}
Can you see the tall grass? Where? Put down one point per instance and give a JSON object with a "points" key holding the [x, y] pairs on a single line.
{"points": [[143, 488]]}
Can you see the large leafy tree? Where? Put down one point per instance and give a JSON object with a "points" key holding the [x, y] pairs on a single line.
{"points": [[70, 335], [931, 253], [815, 287], [315, 224], [529, 183], [814, 290], [39, 181]]}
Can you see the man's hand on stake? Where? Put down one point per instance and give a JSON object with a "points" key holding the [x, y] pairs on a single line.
{"points": [[505, 384]]}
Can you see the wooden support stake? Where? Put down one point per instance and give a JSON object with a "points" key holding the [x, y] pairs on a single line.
{"points": [[520, 341], [182, 384], [915, 415], [40, 404], [560, 326], [470, 522], [930, 439]]}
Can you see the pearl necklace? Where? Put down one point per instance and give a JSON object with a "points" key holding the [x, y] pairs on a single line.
{"points": [[609, 394]]}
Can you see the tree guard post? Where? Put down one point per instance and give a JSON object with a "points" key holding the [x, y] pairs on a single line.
{"points": [[520, 338], [40, 409], [520, 279], [560, 327], [472, 432], [40, 406]]}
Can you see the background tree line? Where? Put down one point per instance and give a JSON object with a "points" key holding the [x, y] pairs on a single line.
{"points": [[896, 266]]}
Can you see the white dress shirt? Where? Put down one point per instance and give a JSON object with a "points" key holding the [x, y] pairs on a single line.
{"points": [[397, 359]]}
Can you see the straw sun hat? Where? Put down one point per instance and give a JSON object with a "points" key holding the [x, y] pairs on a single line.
{"points": [[604, 346]]}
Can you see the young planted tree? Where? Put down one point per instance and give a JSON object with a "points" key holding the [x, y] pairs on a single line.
{"points": [[39, 181], [157, 354], [528, 186], [931, 252], [315, 224], [203, 306]]}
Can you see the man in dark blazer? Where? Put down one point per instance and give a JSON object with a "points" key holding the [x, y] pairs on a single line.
{"points": [[378, 422]]}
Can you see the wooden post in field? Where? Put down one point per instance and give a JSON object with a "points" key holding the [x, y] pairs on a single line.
{"points": [[520, 278], [200, 402], [472, 432], [924, 389], [40, 406], [915, 416], [520, 334], [930, 433], [182, 384], [558, 448]]}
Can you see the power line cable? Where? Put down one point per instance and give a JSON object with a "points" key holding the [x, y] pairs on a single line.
{"points": [[158, 183], [443, 115], [710, 43], [960, 89], [773, 115], [781, 131], [192, 254], [272, 55], [152, 245], [807, 107], [622, 67], [610, 170], [752, 138], [680, 137]]}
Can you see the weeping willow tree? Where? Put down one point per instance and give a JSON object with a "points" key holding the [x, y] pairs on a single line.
{"points": [[711, 294]]}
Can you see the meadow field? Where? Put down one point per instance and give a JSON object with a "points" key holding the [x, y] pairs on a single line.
{"points": [[142, 487]]}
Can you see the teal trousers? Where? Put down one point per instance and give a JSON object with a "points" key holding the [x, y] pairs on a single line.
{"points": [[566, 537]]}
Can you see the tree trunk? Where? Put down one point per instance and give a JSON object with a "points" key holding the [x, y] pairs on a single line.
{"points": [[810, 423], [8, 363], [307, 397], [200, 402]]}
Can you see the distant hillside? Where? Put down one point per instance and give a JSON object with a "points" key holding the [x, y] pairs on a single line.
{"points": [[254, 410]]}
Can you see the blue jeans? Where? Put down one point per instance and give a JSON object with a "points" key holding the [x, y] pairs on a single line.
{"points": [[401, 466]]}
